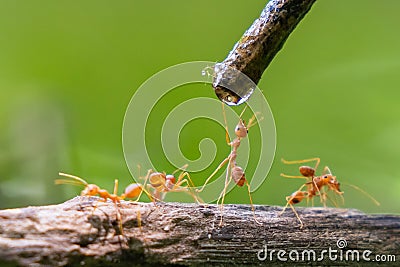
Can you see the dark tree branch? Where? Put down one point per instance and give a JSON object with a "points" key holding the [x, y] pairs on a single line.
{"points": [[257, 47], [75, 234]]}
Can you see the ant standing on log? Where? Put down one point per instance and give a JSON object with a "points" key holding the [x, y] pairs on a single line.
{"points": [[315, 186], [163, 183], [234, 171], [133, 190]]}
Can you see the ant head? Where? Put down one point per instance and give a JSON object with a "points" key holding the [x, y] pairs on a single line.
{"points": [[90, 190], [334, 184], [327, 178], [170, 178], [241, 129], [331, 181]]}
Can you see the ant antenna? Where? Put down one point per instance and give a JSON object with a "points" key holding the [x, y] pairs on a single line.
{"points": [[75, 180], [183, 168], [365, 193], [244, 109]]}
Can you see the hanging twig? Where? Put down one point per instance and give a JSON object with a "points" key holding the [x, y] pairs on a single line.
{"points": [[257, 47]]}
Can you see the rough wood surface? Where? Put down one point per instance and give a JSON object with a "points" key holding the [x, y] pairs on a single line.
{"points": [[256, 48], [75, 234]]}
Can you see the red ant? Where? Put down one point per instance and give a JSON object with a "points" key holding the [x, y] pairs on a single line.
{"points": [[315, 185], [164, 183], [133, 190], [234, 171]]}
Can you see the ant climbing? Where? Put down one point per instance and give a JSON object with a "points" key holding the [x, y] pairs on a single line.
{"points": [[133, 190], [163, 183], [234, 172], [315, 186]]}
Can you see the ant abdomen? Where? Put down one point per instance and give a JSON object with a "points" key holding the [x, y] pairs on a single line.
{"points": [[238, 175], [296, 197], [307, 171], [132, 191]]}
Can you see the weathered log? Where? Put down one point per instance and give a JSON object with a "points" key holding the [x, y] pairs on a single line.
{"points": [[75, 233], [255, 50]]}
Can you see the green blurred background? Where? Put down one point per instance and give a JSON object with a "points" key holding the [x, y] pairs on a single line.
{"points": [[69, 68]]}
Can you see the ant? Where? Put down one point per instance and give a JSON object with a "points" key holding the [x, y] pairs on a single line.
{"points": [[133, 190], [234, 172], [315, 185], [163, 183]]}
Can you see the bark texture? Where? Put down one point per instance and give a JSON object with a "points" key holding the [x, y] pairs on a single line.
{"points": [[75, 233]]}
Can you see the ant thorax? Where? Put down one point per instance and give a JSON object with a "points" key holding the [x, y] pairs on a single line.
{"points": [[334, 184], [157, 180], [90, 190], [235, 143]]}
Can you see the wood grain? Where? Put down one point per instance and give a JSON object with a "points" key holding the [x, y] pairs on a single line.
{"points": [[75, 233]]}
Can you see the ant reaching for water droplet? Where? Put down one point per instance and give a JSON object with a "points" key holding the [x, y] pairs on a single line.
{"points": [[133, 190], [234, 172], [315, 186]]}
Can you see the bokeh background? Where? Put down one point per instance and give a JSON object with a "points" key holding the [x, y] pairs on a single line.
{"points": [[69, 68]]}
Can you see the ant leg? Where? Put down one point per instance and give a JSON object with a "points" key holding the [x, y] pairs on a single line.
{"points": [[318, 190], [342, 198], [326, 170], [222, 196], [181, 181], [297, 215], [139, 219], [143, 188], [290, 198], [323, 196], [183, 168], [119, 218], [115, 192], [333, 200], [251, 203], [253, 120], [293, 176], [189, 187], [139, 169], [228, 141], [317, 160], [215, 171]]}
